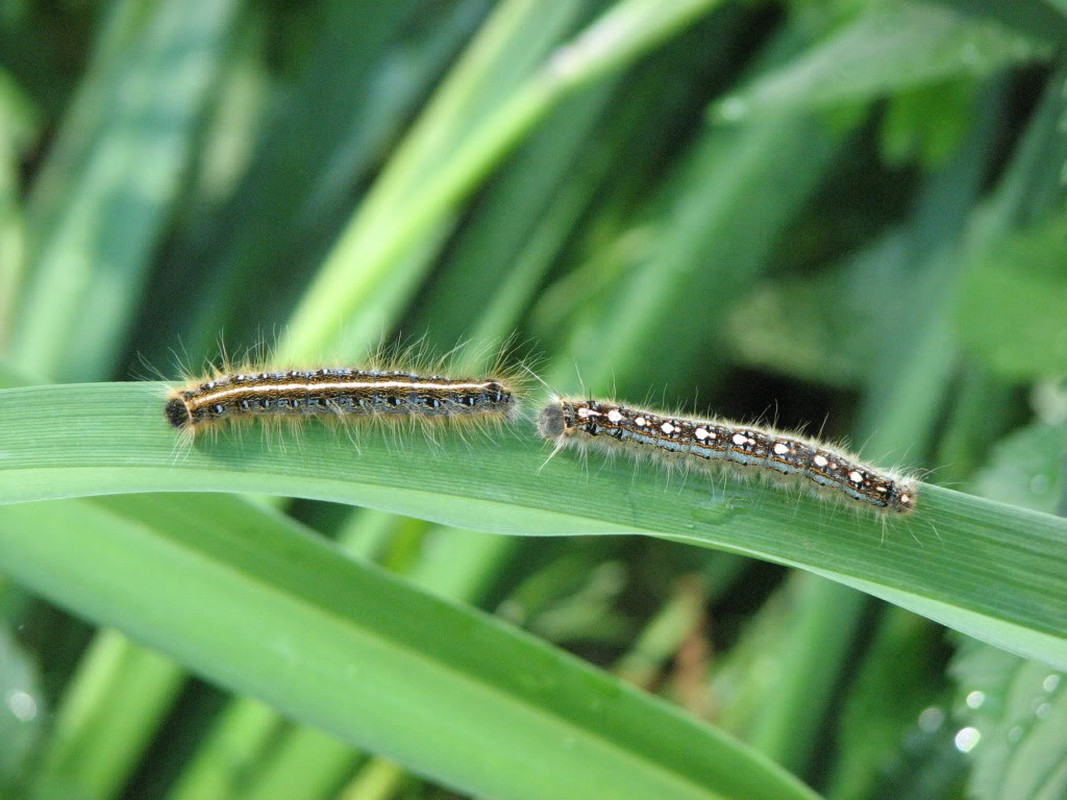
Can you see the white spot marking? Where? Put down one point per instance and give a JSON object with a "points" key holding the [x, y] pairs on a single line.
{"points": [[780, 449], [640, 422], [820, 461], [614, 416], [855, 477], [667, 428]]}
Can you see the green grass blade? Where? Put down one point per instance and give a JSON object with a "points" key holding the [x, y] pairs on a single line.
{"points": [[249, 600], [109, 711], [228, 753], [88, 258], [891, 47], [378, 238], [990, 570]]}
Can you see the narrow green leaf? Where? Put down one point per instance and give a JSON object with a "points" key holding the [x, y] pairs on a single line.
{"points": [[92, 253], [987, 569], [901, 677], [892, 46], [105, 719], [251, 601], [378, 238], [228, 754]]}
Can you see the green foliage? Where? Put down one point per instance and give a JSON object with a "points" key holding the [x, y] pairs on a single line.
{"points": [[889, 47], [1016, 708], [1023, 277], [850, 213]]}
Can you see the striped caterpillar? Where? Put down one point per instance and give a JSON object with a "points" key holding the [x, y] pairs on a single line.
{"points": [[712, 443]]}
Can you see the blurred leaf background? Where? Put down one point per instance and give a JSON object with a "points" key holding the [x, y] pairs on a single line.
{"points": [[846, 215]]}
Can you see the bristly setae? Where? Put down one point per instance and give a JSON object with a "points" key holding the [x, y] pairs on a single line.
{"points": [[714, 443]]}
